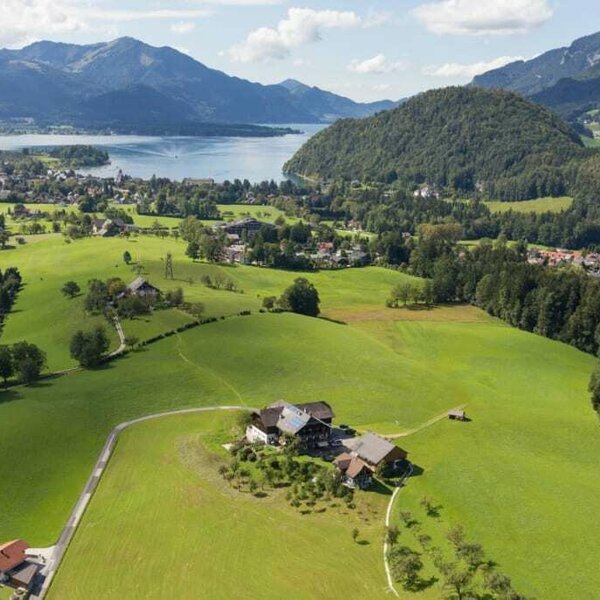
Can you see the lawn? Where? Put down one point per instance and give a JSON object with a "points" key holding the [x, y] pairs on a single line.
{"points": [[47, 264], [162, 508], [539, 205]]}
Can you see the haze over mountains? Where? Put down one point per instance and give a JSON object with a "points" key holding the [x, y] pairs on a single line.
{"points": [[126, 83], [564, 79]]}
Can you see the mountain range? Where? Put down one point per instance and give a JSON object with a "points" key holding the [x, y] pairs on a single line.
{"points": [[566, 79], [126, 84]]}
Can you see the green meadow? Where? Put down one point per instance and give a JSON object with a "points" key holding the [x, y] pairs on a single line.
{"points": [[539, 205], [46, 264], [206, 539], [521, 476]]}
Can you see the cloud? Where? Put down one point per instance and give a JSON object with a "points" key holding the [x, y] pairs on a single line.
{"points": [[483, 17], [301, 26], [377, 65], [377, 18], [183, 27], [24, 21], [468, 71]]}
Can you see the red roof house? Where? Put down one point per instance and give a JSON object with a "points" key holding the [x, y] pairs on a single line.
{"points": [[12, 554]]}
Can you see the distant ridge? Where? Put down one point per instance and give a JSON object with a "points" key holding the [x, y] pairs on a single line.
{"points": [[116, 83], [565, 79]]}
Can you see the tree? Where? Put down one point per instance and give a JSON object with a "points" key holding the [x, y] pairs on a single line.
{"points": [[301, 297], [126, 257], [391, 534], [131, 341], [28, 361], [70, 289], [269, 302], [196, 309], [594, 388], [88, 348], [405, 565], [4, 237], [193, 250], [133, 306], [7, 368]]}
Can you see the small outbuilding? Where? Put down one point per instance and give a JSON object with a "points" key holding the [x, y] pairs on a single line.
{"points": [[456, 414]]}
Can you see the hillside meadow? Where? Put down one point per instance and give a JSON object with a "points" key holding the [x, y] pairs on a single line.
{"points": [[189, 509], [520, 476], [47, 264], [539, 205]]}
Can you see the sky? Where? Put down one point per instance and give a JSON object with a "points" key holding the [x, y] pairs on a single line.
{"points": [[366, 50]]}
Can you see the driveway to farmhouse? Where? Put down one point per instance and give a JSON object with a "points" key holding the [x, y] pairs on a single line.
{"points": [[55, 554]]}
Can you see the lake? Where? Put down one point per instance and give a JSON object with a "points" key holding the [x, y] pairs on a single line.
{"points": [[219, 158]]}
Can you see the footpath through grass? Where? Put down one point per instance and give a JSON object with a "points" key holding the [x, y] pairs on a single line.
{"points": [[163, 508]]}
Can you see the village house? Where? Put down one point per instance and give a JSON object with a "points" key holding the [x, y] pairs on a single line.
{"points": [[366, 455], [310, 422], [249, 225], [15, 569], [236, 253], [140, 287]]}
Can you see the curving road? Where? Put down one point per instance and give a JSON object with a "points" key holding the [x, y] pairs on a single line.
{"points": [[57, 552]]}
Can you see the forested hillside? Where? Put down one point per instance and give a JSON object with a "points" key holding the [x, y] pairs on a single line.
{"points": [[462, 139]]}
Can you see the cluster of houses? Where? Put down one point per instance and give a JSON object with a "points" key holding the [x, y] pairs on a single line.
{"points": [[239, 232], [357, 458], [559, 257], [17, 568]]}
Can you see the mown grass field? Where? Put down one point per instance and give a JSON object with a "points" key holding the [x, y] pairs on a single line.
{"points": [[539, 205], [206, 539], [521, 476]]}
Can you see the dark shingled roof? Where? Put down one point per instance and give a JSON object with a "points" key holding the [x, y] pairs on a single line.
{"points": [[25, 573], [318, 410]]}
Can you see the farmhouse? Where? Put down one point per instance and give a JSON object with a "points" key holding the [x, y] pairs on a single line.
{"points": [[310, 422], [365, 455], [250, 225], [107, 227], [140, 287], [15, 569]]}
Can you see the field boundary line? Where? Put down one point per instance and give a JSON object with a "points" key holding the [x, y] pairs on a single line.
{"points": [[92, 482]]}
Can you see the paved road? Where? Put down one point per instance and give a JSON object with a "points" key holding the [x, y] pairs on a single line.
{"points": [[78, 511]]}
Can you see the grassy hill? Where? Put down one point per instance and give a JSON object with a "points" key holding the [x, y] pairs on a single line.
{"points": [[47, 264], [520, 476], [296, 555], [525, 441], [453, 137]]}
